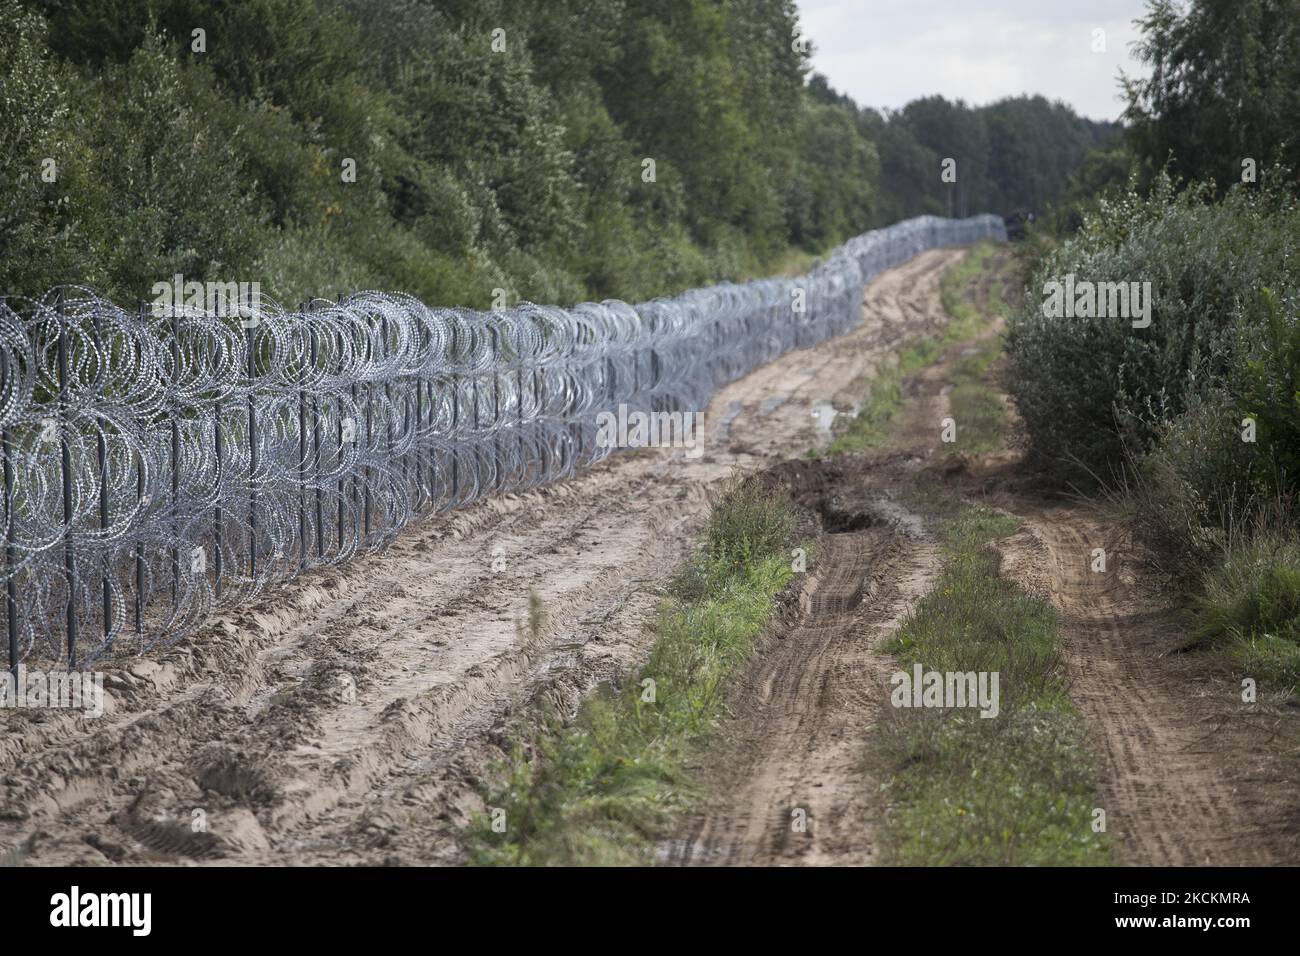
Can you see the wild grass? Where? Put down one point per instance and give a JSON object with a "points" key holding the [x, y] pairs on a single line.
{"points": [[1249, 607], [871, 426], [969, 317], [976, 408], [1229, 548], [600, 790], [1014, 789]]}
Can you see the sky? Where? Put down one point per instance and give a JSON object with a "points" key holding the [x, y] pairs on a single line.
{"points": [[884, 53]]}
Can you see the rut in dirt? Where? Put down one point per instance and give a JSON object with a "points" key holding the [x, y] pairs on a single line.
{"points": [[793, 785], [1190, 776]]}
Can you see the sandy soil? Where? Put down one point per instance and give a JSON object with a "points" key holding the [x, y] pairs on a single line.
{"points": [[349, 717]]}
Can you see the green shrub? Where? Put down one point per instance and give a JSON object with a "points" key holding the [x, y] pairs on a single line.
{"points": [[1198, 481], [1084, 387], [1268, 379], [300, 264], [1202, 480], [750, 522]]}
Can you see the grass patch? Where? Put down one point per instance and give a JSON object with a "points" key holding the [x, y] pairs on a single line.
{"points": [[968, 318], [601, 790], [979, 415], [1014, 789], [1250, 609], [976, 407], [973, 527], [870, 427]]}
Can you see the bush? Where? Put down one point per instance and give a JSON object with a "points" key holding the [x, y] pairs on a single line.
{"points": [[750, 523], [1086, 387], [1203, 480], [1199, 480], [1268, 380]]}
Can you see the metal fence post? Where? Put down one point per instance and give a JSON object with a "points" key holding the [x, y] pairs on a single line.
{"points": [[11, 569], [102, 456], [496, 411], [11, 581], [455, 415], [302, 466], [388, 397], [139, 544], [315, 415], [175, 460], [253, 461], [339, 460], [218, 516], [420, 424], [69, 554]]}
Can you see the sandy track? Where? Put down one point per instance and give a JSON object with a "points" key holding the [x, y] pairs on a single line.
{"points": [[1190, 775], [794, 792], [348, 717]]}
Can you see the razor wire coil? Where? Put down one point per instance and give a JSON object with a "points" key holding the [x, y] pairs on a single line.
{"points": [[159, 466]]}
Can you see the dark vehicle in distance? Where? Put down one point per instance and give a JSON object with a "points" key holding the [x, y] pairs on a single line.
{"points": [[1017, 221]]}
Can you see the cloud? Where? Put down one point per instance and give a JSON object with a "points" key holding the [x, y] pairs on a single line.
{"points": [[884, 54]]}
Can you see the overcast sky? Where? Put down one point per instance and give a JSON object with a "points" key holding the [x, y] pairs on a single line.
{"points": [[884, 53]]}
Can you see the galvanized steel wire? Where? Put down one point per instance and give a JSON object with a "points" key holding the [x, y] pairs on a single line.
{"points": [[156, 467]]}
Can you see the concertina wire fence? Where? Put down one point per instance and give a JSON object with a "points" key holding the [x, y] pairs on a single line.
{"points": [[156, 467]]}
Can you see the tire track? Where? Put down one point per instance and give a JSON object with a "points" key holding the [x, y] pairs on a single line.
{"points": [[1187, 780], [793, 791]]}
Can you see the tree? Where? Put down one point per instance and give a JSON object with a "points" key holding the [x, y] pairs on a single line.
{"points": [[1224, 88]]}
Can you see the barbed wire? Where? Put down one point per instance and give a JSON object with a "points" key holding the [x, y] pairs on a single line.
{"points": [[156, 467]]}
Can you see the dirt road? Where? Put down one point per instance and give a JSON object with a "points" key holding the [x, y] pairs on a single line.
{"points": [[1188, 774], [348, 717], [790, 765], [351, 717]]}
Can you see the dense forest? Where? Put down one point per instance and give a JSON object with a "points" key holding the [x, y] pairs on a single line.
{"points": [[558, 150]]}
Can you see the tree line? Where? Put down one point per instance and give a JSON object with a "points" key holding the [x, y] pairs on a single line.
{"points": [[557, 151]]}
